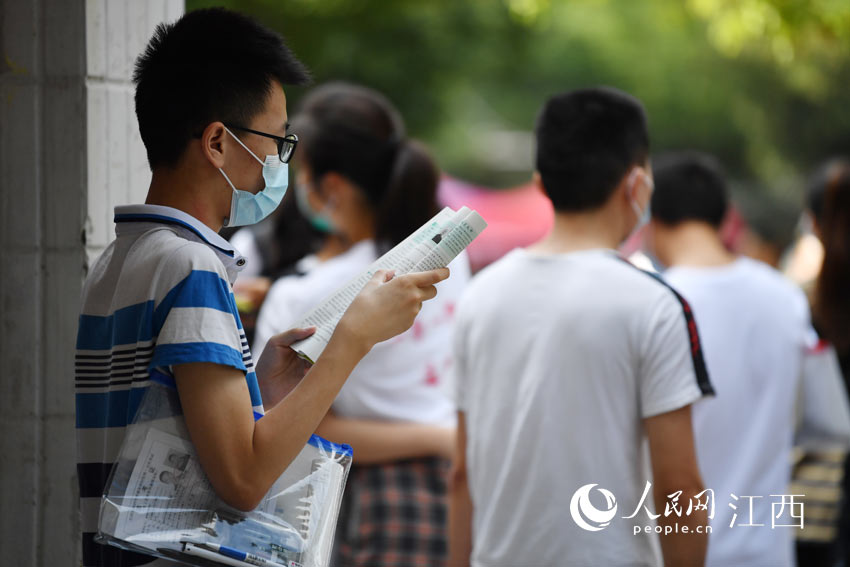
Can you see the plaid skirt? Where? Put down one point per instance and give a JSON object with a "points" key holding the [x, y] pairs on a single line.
{"points": [[394, 515]]}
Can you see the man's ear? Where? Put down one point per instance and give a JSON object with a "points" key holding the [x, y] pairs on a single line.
{"points": [[629, 184], [213, 143]]}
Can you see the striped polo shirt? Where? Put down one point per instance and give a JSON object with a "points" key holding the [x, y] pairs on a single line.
{"points": [[159, 295]]}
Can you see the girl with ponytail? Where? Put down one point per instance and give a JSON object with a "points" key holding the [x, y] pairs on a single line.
{"points": [[360, 179]]}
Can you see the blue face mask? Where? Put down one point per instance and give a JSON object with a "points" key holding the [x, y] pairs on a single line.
{"points": [[645, 215], [642, 216], [249, 208], [317, 220]]}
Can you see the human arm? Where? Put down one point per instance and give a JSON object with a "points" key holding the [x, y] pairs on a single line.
{"points": [[674, 468], [375, 441], [241, 457], [674, 376], [460, 502]]}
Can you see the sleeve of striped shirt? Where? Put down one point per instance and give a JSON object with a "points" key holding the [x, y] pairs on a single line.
{"points": [[672, 371], [196, 319]]}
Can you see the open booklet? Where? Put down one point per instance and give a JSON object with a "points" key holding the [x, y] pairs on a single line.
{"points": [[434, 245]]}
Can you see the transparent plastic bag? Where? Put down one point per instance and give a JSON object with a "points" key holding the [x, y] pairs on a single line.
{"points": [[158, 500]]}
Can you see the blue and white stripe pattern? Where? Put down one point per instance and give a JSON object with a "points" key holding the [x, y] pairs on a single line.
{"points": [[159, 295]]}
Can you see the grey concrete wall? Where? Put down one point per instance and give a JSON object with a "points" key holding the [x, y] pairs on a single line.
{"points": [[69, 151]]}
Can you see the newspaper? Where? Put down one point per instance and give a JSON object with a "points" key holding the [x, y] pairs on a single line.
{"points": [[166, 471], [159, 501], [434, 245]]}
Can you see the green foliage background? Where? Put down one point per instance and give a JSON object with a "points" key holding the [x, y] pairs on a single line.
{"points": [[762, 84]]}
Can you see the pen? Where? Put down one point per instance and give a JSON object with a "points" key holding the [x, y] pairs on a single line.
{"points": [[222, 553]]}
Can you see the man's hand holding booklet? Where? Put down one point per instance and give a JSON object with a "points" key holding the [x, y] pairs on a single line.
{"points": [[434, 245]]}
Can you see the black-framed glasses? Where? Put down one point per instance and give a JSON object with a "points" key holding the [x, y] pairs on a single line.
{"points": [[285, 144]]}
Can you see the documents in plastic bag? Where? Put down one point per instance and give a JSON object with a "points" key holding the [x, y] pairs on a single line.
{"points": [[434, 245], [159, 501]]}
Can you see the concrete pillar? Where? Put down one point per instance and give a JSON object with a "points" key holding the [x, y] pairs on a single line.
{"points": [[69, 151]]}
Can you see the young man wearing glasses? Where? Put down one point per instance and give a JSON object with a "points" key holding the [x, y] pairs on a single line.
{"points": [[212, 115]]}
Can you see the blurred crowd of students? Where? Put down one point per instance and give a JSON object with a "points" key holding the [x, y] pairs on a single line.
{"points": [[561, 365]]}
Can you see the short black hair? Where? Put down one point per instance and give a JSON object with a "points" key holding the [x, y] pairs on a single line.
{"points": [[587, 139], [689, 186], [209, 65], [772, 216]]}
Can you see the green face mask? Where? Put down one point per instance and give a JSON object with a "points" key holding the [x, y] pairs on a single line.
{"points": [[318, 221]]}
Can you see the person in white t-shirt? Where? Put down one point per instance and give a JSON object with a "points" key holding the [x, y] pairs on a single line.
{"points": [[365, 183], [576, 371], [755, 330]]}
